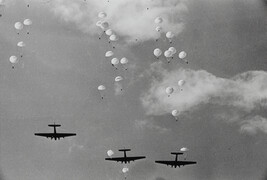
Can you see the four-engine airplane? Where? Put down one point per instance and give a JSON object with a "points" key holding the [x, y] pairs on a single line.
{"points": [[125, 159], [176, 163], [55, 135]]}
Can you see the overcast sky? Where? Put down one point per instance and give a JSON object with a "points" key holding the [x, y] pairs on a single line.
{"points": [[223, 118]]}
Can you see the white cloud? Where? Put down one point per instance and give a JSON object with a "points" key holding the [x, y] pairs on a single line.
{"points": [[253, 125], [146, 124], [245, 91], [129, 18]]}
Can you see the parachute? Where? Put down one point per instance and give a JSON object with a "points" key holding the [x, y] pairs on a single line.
{"points": [[184, 149], [104, 25], [158, 20], [27, 22], [114, 62], [101, 88], [181, 83], [118, 79], [157, 52], [175, 114], [168, 55], [113, 37], [98, 23], [109, 32], [18, 26], [169, 91], [20, 45], [110, 153], [158, 29], [109, 53], [173, 50], [102, 15], [13, 60], [182, 55], [124, 61], [125, 170], [170, 35]]}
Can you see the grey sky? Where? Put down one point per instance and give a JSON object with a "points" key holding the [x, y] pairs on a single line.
{"points": [[57, 81]]}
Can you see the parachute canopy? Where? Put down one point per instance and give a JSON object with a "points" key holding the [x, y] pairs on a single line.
{"points": [[158, 28], [182, 55], [18, 25], [13, 59], [184, 149], [157, 52], [175, 113], [27, 22], [109, 32], [21, 44], [172, 49], [113, 37], [102, 14], [115, 61], [104, 25], [110, 153], [101, 88], [168, 53], [109, 53], [181, 82], [169, 90], [98, 23], [125, 170], [124, 60], [118, 78], [169, 35], [158, 20]]}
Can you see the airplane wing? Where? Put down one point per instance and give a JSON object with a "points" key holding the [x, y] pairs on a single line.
{"points": [[45, 134], [176, 163], [125, 159], [62, 135]]}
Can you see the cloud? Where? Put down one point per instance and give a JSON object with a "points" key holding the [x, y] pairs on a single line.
{"points": [[253, 125], [146, 124], [246, 91], [128, 18]]}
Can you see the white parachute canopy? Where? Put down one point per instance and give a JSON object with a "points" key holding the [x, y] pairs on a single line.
{"points": [[18, 26], [157, 52], [182, 55], [181, 82], [124, 60], [115, 61], [109, 32], [158, 28], [184, 149], [168, 53], [27, 22], [173, 50], [102, 14], [110, 153], [13, 59], [109, 53], [98, 23], [169, 90], [125, 170], [118, 79], [175, 113], [169, 35], [21, 44], [101, 88], [113, 37], [158, 20], [104, 25]]}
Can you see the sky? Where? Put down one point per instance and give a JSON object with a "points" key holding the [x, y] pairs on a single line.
{"points": [[222, 107]]}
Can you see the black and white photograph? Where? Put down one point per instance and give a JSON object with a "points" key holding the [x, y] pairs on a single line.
{"points": [[133, 89]]}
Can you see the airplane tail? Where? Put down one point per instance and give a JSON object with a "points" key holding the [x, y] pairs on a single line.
{"points": [[54, 125], [177, 153], [124, 150]]}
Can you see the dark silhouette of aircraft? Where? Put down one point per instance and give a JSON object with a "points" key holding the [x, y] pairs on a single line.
{"points": [[125, 159], [176, 163], [55, 135]]}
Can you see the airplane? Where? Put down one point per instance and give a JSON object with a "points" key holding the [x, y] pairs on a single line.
{"points": [[176, 163], [55, 135], [125, 159]]}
